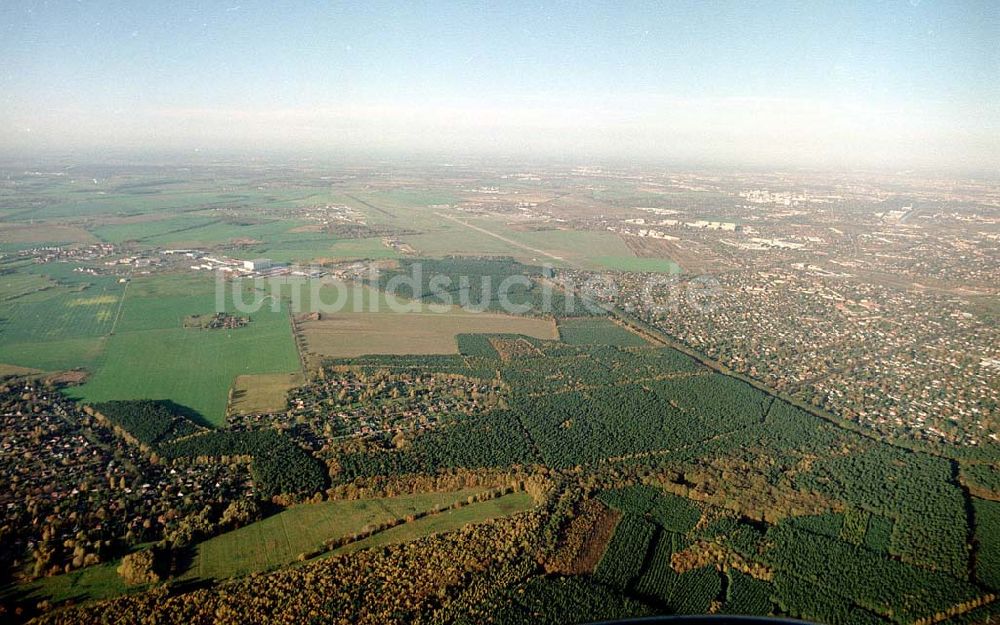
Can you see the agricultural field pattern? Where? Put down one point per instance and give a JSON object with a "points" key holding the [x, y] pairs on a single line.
{"points": [[472, 393]]}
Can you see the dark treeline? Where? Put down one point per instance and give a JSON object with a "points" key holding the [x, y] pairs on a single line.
{"points": [[278, 464]]}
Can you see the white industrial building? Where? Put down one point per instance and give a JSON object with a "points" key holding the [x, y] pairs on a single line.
{"points": [[259, 264]]}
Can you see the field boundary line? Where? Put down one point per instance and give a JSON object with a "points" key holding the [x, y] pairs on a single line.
{"points": [[121, 304], [509, 241], [370, 205]]}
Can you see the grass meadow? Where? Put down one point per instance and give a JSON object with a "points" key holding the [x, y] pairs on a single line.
{"points": [[92, 583], [556, 247], [53, 318], [144, 227], [152, 356], [319, 248], [576, 247], [279, 539], [446, 521]]}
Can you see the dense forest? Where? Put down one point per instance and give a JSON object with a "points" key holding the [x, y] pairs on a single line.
{"points": [[786, 499], [278, 465], [662, 486]]}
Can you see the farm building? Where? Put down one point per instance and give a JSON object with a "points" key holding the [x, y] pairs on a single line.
{"points": [[259, 264]]}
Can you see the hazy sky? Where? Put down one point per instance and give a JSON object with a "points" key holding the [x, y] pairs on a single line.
{"points": [[910, 83]]}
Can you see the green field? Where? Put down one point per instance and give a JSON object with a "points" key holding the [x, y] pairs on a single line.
{"points": [[452, 239], [53, 318], [69, 202], [408, 208], [583, 248], [446, 521], [146, 227], [94, 582], [314, 247], [281, 538], [216, 232], [553, 247], [243, 551], [55, 355], [21, 284], [64, 308], [152, 356]]}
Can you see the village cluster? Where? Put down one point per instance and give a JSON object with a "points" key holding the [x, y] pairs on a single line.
{"points": [[77, 494]]}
